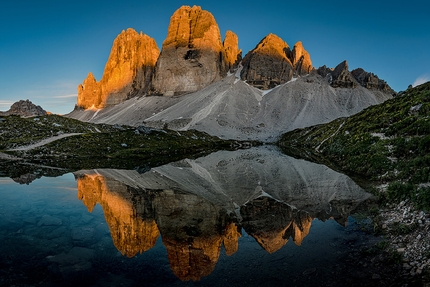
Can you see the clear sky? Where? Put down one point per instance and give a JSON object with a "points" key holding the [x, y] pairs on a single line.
{"points": [[47, 47]]}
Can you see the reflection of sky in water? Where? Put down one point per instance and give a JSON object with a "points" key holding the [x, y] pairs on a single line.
{"points": [[45, 224]]}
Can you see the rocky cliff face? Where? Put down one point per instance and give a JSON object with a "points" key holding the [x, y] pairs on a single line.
{"points": [[301, 59], [272, 63], [371, 81], [233, 55], [128, 72], [192, 55], [341, 77], [24, 109]]}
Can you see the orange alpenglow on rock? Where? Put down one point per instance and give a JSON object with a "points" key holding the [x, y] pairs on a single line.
{"points": [[130, 234], [128, 71], [233, 55], [301, 59], [192, 54], [272, 63], [268, 64]]}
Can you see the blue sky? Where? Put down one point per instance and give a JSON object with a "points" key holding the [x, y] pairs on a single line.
{"points": [[47, 47]]}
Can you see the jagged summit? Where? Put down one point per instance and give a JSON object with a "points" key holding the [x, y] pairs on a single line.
{"points": [[272, 63], [192, 55], [200, 82], [341, 77], [24, 109], [233, 55], [127, 73]]}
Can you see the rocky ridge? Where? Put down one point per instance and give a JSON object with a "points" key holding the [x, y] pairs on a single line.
{"points": [[209, 87], [341, 77], [272, 63], [24, 109]]}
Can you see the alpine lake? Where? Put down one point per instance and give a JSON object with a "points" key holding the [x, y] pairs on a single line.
{"points": [[250, 217]]}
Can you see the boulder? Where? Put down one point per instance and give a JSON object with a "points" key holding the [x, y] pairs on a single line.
{"points": [[192, 55], [128, 72]]}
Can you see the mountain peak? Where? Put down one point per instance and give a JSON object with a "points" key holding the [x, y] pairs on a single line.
{"points": [[128, 71], [192, 55], [272, 63], [24, 109]]}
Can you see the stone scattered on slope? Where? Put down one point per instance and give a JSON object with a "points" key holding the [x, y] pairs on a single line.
{"points": [[192, 54], [24, 109], [127, 73]]}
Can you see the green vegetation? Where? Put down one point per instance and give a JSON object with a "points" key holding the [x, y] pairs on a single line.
{"points": [[99, 146], [388, 143], [16, 131]]}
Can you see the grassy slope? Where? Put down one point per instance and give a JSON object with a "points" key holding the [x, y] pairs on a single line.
{"points": [[101, 145], [387, 143]]}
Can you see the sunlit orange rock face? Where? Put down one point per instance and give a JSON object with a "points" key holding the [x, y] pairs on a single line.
{"points": [[130, 234], [301, 59], [127, 73], [272, 63], [233, 54], [192, 55]]}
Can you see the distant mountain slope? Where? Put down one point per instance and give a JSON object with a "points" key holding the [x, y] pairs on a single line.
{"points": [[24, 109], [388, 143]]}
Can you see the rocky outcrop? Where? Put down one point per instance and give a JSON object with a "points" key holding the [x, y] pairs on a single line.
{"points": [[371, 81], [272, 63], [268, 64], [233, 55], [24, 109], [192, 55], [128, 72], [301, 59], [342, 78]]}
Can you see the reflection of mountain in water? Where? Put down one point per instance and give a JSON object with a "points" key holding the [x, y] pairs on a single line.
{"points": [[199, 205]]}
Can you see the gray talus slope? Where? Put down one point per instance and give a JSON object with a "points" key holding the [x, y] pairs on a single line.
{"points": [[232, 109], [232, 179]]}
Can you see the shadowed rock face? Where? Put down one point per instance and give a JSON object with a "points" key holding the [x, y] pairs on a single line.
{"points": [[192, 55], [272, 63], [127, 73], [341, 77], [199, 205], [268, 64]]}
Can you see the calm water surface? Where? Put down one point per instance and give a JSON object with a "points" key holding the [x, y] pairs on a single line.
{"points": [[249, 217]]}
